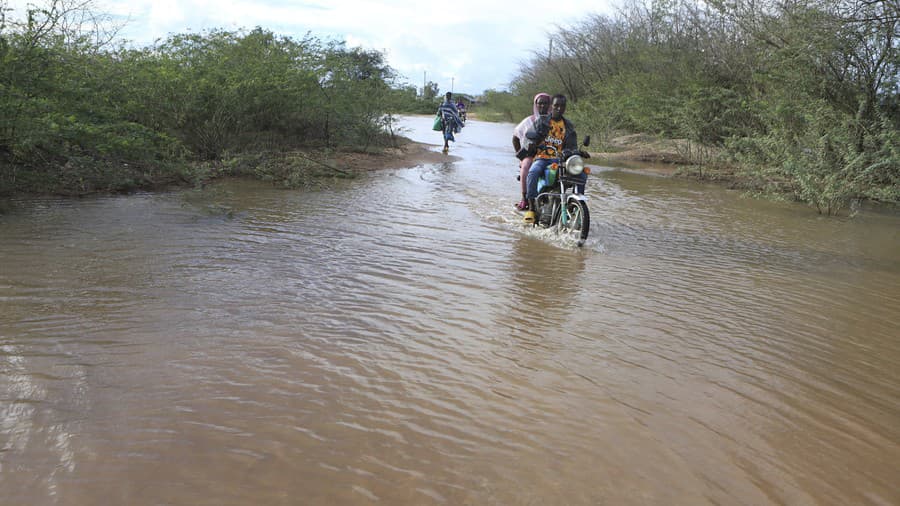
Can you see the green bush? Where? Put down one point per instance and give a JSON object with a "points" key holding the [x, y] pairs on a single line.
{"points": [[81, 116]]}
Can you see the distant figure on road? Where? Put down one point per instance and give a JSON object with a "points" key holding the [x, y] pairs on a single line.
{"points": [[461, 109], [450, 117]]}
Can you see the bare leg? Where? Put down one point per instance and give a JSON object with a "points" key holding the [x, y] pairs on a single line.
{"points": [[524, 165]]}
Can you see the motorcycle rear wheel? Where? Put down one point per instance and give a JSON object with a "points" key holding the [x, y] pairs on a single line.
{"points": [[578, 221]]}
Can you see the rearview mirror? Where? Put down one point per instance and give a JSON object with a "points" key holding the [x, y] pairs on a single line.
{"points": [[587, 141]]}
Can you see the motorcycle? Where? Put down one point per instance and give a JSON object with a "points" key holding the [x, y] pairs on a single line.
{"points": [[557, 204]]}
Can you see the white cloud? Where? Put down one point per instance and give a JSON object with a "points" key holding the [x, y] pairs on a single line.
{"points": [[472, 45]]}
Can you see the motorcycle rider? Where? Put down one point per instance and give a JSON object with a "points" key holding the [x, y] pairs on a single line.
{"points": [[461, 108], [549, 132], [525, 149]]}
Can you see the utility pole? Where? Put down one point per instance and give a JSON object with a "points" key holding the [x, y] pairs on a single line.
{"points": [[451, 84], [424, 73]]}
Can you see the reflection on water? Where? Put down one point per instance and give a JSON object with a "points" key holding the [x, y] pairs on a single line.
{"points": [[404, 339], [544, 280]]}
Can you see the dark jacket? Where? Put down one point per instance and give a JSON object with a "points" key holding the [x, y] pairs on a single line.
{"points": [[538, 132]]}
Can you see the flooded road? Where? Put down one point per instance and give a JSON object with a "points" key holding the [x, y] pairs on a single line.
{"points": [[402, 339]]}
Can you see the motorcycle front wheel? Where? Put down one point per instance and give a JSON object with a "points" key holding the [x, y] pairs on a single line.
{"points": [[577, 222]]}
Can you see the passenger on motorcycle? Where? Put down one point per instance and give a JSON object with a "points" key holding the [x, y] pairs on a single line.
{"points": [[548, 133], [525, 149]]}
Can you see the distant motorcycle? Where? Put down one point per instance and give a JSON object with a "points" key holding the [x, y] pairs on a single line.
{"points": [[557, 205]]}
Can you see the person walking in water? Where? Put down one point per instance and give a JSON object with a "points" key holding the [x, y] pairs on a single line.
{"points": [[450, 117]]}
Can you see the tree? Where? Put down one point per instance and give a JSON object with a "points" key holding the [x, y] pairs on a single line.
{"points": [[78, 114], [803, 91], [430, 91]]}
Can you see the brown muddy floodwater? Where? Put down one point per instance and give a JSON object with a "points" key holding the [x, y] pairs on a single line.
{"points": [[401, 339]]}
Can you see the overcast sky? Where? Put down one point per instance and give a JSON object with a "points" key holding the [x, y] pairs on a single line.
{"points": [[469, 45]]}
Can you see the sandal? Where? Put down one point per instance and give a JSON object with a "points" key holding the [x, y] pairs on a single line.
{"points": [[522, 205]]}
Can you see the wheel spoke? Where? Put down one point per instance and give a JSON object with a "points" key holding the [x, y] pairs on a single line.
{"points": [[577, 223]]}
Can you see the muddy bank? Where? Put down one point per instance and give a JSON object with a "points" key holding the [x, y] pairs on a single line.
{"points": [[649, 154], [640, 153], [406, 153]]}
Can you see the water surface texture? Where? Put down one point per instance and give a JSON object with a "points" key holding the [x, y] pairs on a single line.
{"points": [[402, 339]]}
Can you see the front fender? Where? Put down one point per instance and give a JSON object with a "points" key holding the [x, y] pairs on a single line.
{"points": [[575, 198]]}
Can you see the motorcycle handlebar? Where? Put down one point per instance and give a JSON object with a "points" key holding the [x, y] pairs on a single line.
{"points": [[564, 155]]}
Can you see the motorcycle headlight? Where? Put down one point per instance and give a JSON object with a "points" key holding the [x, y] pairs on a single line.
{"points": [[575, 165]]}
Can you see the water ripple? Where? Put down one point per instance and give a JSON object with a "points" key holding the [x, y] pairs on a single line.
{"points": [[402, 338]]}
